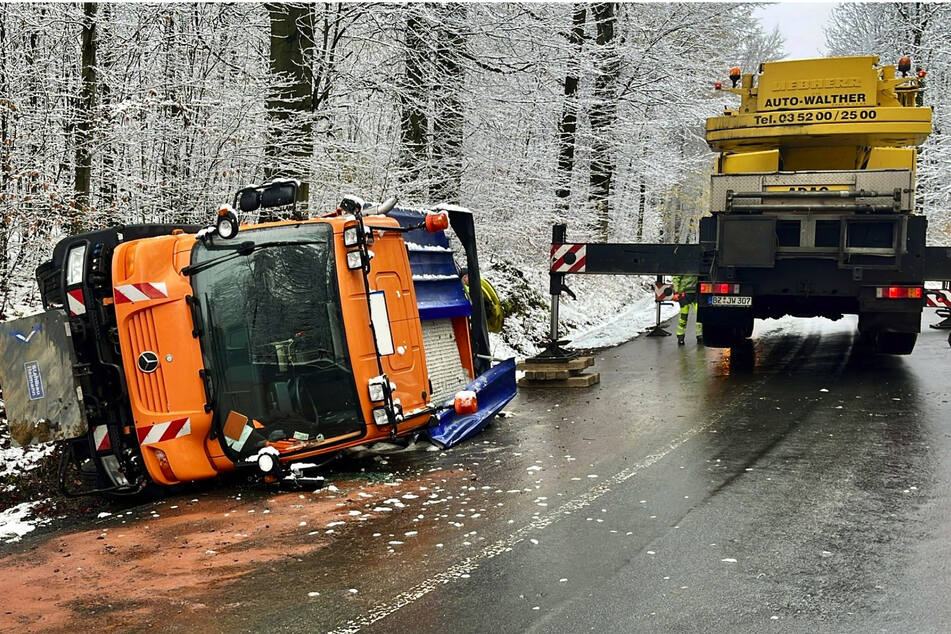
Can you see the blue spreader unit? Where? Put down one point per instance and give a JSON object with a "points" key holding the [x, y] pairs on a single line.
{"points": [[494, 389], [439, 293]]}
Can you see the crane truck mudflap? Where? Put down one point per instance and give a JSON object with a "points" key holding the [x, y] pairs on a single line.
{"points": [[493, 389], [42, 396]]}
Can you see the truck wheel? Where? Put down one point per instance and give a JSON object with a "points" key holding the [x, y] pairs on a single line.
{"points": [[897, 342], [719, 336], [748, 329]]}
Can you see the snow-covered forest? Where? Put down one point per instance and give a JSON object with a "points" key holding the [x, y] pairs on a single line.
{"points": [[923, 31], [526, 113]]}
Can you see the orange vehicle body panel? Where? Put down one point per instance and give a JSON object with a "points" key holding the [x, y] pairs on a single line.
{"points": [[174, 391]]}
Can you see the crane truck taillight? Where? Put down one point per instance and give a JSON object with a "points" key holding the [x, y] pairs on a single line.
{"points": [[899, 292]]}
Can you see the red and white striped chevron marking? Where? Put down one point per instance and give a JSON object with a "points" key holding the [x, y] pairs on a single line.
{"points": [[77, 305], [938, 298], [100, 436], [663, 292], [143, 291], [568, 258], [164, 431]]}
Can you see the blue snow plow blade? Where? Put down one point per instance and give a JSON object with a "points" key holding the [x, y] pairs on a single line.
{"points": [[494, 389]]}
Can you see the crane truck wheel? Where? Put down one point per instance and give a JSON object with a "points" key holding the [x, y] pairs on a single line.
{"points": [[721, 336], [896, 342]]}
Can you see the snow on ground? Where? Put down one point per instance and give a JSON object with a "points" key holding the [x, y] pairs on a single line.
{"points": [[600, 317], [14, 522], [17, 460], [623, 326]]}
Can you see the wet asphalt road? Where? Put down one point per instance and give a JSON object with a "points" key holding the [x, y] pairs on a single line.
{"points": [[801, 485]]}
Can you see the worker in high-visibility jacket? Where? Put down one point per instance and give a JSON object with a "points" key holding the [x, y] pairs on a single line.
{"points": [[685, 291]]}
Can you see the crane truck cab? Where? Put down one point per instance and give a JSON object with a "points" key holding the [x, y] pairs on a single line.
{"points": [[812, 200], [170, 354]]}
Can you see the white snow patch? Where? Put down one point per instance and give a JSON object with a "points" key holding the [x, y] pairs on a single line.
{"points": [[17, 460], [623, 326], [412, 246], [15, 522]]}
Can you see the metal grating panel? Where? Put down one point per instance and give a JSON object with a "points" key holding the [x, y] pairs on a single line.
{"points": [[442, 359], [882, 181], [150, 388]]}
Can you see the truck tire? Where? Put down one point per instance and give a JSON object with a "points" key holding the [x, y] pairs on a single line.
{"points": [[896, 342], [720, 336]]}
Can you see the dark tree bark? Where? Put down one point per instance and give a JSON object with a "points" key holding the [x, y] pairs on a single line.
{"points": [[290, 102], [107, 183], [86, 113], [569, 110], [414, 100], [448, 121], [603, 115]]}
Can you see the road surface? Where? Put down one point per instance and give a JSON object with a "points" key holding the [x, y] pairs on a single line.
{"points": [[803, 484]]}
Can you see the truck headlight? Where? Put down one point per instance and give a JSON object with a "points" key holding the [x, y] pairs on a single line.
{"points": [[351, 236], [380, 418], [354, 259], [376, 388], [74, 264]]}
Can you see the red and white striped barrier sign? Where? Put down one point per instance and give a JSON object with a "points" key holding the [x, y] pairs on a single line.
{"points": [[938, 298], [663, 292], [100, 436], [568, 258], [144, 291], [164, 431], [77, 305]]}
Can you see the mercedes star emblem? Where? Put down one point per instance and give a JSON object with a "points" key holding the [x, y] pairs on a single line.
{"points": [[148, 362]]}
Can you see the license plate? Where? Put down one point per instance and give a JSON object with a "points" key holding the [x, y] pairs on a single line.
{"points": [[731, 300]]}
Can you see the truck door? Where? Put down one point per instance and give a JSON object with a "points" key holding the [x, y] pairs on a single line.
{"points": [[403, 361]]}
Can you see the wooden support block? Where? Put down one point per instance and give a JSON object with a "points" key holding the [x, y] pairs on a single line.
{"points": [[577, 364], [548, 375], [579, 380]]}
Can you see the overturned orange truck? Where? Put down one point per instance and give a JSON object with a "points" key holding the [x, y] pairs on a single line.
{"points": [[169, 353]]}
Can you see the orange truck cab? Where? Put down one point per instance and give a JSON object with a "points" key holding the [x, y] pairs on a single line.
{"points": [[198, 351]]}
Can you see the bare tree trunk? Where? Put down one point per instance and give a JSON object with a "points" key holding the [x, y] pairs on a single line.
{"points": [[448, 84], [603, 115], [290, 102], [569, 109], [85, 117], [414, 99], [107, 183]]}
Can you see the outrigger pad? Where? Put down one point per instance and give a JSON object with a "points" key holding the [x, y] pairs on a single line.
{"points": [[493, 389]]}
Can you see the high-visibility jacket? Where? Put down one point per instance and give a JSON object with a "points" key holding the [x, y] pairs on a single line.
{"points": [[685, 283], [685, 289]]}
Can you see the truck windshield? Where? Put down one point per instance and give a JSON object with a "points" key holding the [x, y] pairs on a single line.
{"points": [[273, 341]]}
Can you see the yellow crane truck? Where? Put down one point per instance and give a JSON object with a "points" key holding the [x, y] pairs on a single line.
{"points": [[812, 207], [813, 197]]}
